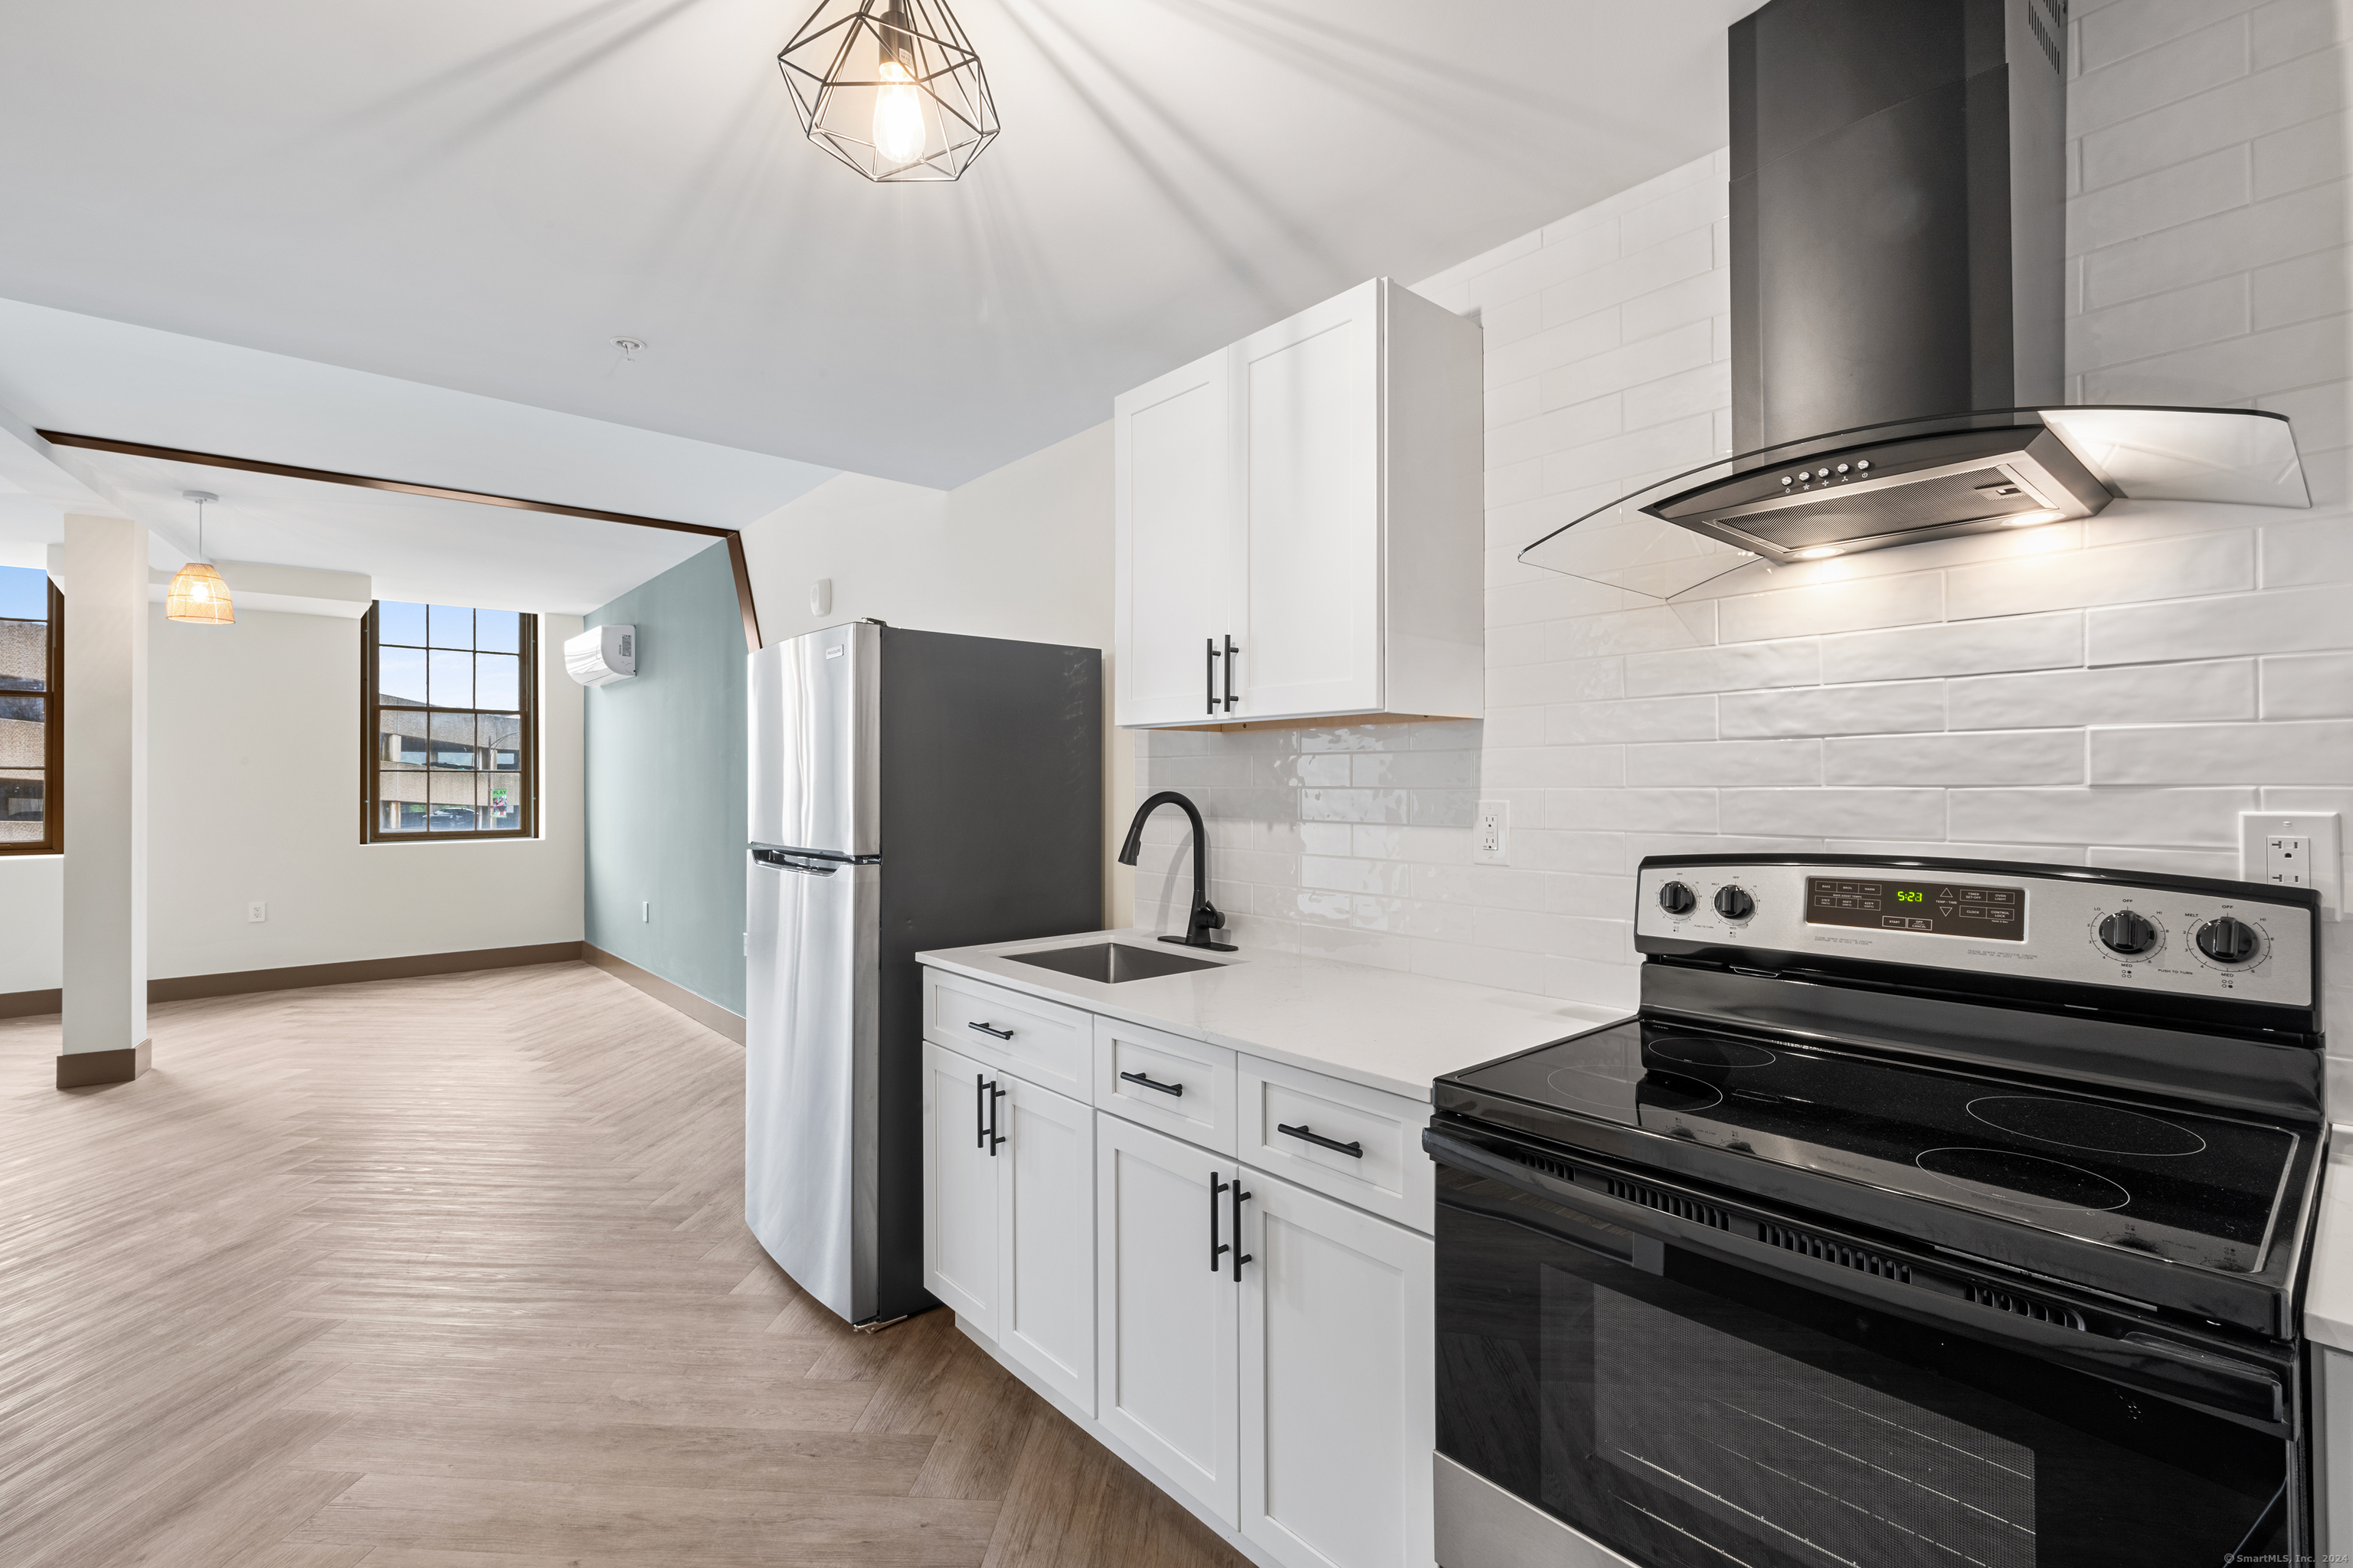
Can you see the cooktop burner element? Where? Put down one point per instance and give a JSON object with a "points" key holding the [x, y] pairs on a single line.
{"points": [[2005, 1177], [2188, 1187], [1700, 1053], [2073, 1124]]}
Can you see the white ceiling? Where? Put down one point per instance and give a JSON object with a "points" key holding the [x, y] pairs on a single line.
{"points": [[477, 198]]}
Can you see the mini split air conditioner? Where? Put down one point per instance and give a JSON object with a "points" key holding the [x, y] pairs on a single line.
{"points": [[602, 655]]}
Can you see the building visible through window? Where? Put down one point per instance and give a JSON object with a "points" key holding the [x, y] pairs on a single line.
{"points": [[32, 712], [449, 721]]}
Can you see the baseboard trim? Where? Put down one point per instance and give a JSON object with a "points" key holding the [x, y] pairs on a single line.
{"points": [[31, 1004], [86, 1069], [669, 993], [191, 987]]}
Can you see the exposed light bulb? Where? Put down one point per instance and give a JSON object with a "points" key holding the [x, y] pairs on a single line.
{"points": [[1815, 553], [898, 115]]}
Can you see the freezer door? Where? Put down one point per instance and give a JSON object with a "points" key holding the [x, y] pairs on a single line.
{"points": [[814, 742], [809, 1091]]}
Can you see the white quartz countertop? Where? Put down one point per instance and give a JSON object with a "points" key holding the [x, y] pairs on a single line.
{"points": [[1377, 1027], [2328, 1288]]}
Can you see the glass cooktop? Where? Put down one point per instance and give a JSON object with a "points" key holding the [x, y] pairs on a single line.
{"points": [[2191, 1189]]}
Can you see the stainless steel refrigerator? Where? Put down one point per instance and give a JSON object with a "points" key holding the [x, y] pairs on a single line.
{"points": [[909, 790]]}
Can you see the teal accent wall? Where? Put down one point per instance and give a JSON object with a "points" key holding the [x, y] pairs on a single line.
{"points": [[666, 783]]}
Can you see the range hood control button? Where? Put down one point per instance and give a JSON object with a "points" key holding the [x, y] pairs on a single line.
{"points": [[1676, 899], [2127, 933], [1734, 902], [2228, 942]]}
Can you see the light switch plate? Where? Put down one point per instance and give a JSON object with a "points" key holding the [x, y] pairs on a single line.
{"points": [[2294, 849], [1491, 833]]}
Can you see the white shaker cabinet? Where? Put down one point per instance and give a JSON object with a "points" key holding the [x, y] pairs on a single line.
{"points": [[1169, 1376], [1045, 1238], [1172, 547], [1299, 522], [1008, 1216], [959, 1187], [1338, 1414]]}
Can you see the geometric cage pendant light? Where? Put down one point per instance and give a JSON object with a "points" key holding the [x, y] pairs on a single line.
{"points": [[891, 88], [198, 594]]}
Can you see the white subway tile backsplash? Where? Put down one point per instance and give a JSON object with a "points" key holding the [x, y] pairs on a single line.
{"points": [[2308, 685], [2160, 818], [1819, 813], [1853, 605], [2114, 691], [1797, 761], [2000, 756], [2157, 569], [1897, 706], [2127, 694], [1729, 668], [2306, 753], [2287, 620], [1960, 648]]}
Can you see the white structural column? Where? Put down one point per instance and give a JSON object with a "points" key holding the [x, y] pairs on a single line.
{"points": [[106, 575]]}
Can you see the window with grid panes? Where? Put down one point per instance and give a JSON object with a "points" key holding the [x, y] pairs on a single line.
{"points": [[448, 722], [32, 712]]}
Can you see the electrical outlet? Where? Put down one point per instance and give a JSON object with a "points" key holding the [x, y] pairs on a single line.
{"points": [[256, 911], [1491, 841], [2294, 849]]}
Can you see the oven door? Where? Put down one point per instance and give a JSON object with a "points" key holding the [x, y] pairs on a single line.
{"points": [[1600, 1365]]}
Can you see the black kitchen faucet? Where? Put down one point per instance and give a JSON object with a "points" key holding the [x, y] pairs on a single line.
{"points": [[1204, 917]]}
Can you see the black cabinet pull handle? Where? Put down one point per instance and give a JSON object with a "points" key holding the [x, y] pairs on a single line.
{"points": [[1230, 652], [1218, 1249], [980, 1110], [995, 1138], [1209, 672], [1352, 1149], [987, 1029], [1241, 1257], [1149, 1084]]}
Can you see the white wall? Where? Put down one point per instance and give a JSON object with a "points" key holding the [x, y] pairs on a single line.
{"points": [[2112, 692], [253, 742], [1024, 552]]}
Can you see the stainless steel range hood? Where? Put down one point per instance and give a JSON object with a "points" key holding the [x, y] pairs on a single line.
{"points": [[1897, 232]]}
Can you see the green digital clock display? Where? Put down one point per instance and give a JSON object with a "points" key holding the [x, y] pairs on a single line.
{"points": [[1910, 895]]}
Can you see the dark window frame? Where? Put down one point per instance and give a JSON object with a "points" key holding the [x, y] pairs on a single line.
{"points": [[372, 830], [53, 751]]}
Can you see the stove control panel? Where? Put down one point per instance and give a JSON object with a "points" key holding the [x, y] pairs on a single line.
{"points": [[2040, 923]]}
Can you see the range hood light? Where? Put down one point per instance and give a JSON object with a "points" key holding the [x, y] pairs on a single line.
{"points": [[1824, 552], [2029, 519]]}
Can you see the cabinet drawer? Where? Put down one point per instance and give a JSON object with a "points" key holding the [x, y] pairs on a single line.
{"points": [[1183, 1088], [1389, 1176], [1044, 1042]]}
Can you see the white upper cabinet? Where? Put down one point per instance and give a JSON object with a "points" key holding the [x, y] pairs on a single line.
{"points": [[1299, 523], [1176, 521]]}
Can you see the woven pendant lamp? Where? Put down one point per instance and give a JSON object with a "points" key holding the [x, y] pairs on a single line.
{"points": [[198, 594]]}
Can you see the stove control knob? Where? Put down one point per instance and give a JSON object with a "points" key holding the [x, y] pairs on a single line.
{"points": [[1734, 902], [2228, 942], [2127, 933], [1676, 899]]}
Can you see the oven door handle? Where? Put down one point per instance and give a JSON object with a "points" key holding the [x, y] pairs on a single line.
{"points": [[1643, 1251], [2249, 1391]]}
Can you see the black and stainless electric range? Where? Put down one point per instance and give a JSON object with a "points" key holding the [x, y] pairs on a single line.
{"points": [[1929, 1212]]}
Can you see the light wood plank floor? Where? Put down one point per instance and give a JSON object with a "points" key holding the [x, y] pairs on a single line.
{"points": [[452, 1272]]}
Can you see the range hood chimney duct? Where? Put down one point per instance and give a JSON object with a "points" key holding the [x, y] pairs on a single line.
{"points": [[1898, 212]]}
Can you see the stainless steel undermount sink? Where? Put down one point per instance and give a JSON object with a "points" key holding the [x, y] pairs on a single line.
{"points": [[1113, 962]]}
